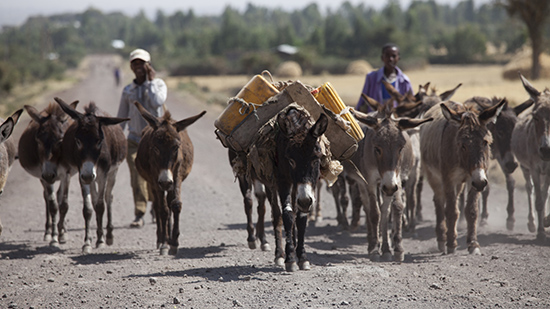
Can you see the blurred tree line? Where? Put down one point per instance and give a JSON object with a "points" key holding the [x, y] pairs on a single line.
{"points": [[246, 42]]}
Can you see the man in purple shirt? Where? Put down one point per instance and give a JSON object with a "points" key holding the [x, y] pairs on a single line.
{"points": [[374, 87]]}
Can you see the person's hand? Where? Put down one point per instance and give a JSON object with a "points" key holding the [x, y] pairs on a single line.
{"points": [[150, 71]]}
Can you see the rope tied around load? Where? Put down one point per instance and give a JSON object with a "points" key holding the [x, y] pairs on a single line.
{"points": [[245, 108]]}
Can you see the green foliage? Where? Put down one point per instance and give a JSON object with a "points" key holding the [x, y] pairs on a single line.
{"points": [[245, 42]]}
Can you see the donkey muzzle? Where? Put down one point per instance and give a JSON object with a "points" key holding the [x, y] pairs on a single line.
{"points": [[479, 179], [49, 172], [166, 179], [305, 197], [88, 172]]}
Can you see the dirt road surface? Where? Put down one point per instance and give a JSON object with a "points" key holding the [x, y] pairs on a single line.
{"points": [[214, 267]]}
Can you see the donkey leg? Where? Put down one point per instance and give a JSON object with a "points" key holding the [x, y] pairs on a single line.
{"points": [[51, 213], [260, 225], [419, 187], [246, 191], [87, 212], [384, 220], [451, 217], [541, 195], [510, 185], [471, 212], [175, 207], [109, 202], [373, 222], [164, 218], [301, 224], [484, 206], [277, 221], [290, 252], [63, 201], [99, 207], [529, 190]]}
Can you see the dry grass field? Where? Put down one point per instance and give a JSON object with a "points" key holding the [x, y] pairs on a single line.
{"points": [[476, 81]]}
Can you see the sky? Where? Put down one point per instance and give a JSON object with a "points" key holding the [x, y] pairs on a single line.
{"points": [[16, 12]]}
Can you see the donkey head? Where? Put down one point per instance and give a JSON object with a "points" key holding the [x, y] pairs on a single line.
{"points": [[389, 143], [52, 124], [299, 154], [165, 143], [473, 137], [88, 138], [541, 117]]}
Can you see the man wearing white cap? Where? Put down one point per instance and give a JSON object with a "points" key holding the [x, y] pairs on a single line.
{"points": [[151, 92]]}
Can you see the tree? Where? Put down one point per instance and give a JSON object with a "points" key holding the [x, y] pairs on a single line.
{"points": [[533, 13]]}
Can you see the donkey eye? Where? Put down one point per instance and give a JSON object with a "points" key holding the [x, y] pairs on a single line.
{"points": [[292, 163], [378, 151], [78, 143], [98, 144]]}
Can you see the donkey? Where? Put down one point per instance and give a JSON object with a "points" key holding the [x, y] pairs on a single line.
{"points": [[164, 159], [239, 164], [8, 151], [288, 164], [455, 150], [385, 159], [40, 154], [501, 150], [531, 146], [95, 146], [428, 100]]}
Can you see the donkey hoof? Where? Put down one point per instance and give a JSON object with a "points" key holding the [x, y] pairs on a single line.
{"points": [[399, 256], [305, 265], [110, 241], [386, 257], [531, 226], [63, 238], [441, 246], [451, 250], [541, 236], [100, 244], [510, 224], [86, 249], [173, 250], [474, 250], [54, 243], [374, 256], [291, 267], [279, 261], [47, 237], [252, 245], [266, 247], [483, 222]]}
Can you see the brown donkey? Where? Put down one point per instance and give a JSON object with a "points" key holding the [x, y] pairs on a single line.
{"points": [[164, 159], [501, 150], [531, 146], [95, 146], [40, 154], [454, 151], [385, 159], [8, 150]]}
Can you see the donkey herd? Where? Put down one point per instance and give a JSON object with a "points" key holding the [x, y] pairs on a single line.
{"points": [[423, 136]]}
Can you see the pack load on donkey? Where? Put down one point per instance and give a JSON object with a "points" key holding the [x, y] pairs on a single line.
{"points": [[250, 116]]}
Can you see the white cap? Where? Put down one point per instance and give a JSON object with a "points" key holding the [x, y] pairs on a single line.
{"points": [[140, 54]]}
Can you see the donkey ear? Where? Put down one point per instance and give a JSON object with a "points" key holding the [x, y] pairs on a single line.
{"points": [[151, 120], [410, 123], [68, 109], [6, 129], [392, 91], [34, 113], [370, 101], [523, 106], [450, 114], [320, 126], [491, 114], [365, 118], [449, 93], [108, 121], [182, 124], [533, 93]]}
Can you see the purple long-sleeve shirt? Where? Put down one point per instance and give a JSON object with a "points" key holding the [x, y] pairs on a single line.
{"points": [[373, 85]]}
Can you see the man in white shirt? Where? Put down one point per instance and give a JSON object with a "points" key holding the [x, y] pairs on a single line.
{"points": [[151, 92]]}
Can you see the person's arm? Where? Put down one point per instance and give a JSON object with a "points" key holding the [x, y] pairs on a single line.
{"points": [[157, 92]]}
